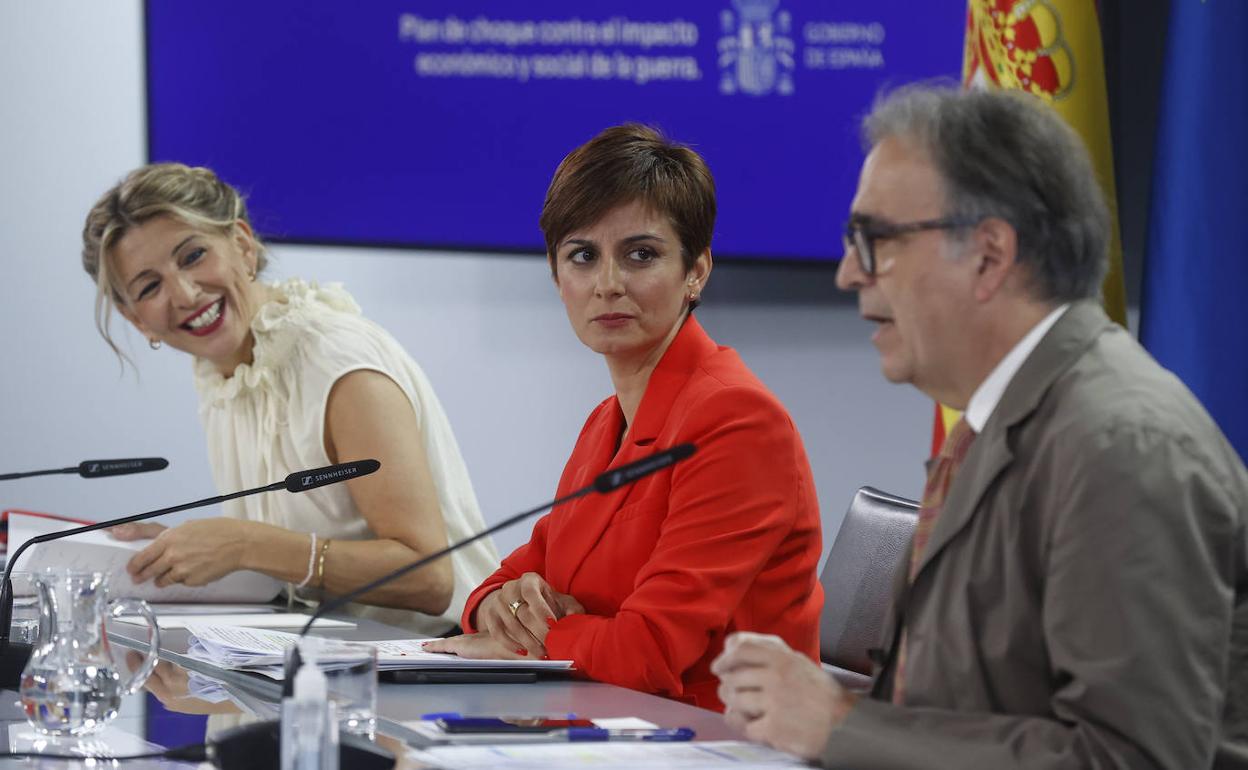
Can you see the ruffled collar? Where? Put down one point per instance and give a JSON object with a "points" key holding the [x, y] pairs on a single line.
{"points": [[291, 305]]}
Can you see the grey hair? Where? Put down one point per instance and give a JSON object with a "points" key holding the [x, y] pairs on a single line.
{"points": [[194, 195], [1006, 154]]}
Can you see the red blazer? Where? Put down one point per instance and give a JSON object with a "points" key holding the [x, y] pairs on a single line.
{"points": [[727, 540]]}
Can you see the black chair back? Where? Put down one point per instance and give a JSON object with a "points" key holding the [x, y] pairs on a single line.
{"points": [[858, 576]]}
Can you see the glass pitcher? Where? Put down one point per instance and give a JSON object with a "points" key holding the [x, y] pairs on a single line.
{"points": [[71, 686]]}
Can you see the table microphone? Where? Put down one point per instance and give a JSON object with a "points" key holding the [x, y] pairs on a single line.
{"points": [[95, 469], [14, 655]]}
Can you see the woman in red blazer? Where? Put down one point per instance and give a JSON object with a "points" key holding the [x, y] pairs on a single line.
{"points": [[640, 587]]}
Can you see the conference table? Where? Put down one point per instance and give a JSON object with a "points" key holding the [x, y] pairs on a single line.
{"points": [[553, 694]]}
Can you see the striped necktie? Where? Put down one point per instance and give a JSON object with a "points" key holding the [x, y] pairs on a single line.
{"points": [[940, 472]]}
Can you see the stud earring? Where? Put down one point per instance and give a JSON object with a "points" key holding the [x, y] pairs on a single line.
{"points": [[154, 344]]}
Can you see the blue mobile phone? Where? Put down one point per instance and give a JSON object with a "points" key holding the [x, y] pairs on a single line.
{"points": [[508, 724]]}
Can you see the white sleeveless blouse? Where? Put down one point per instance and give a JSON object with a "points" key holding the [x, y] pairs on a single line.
{"points": [[268, 420]]}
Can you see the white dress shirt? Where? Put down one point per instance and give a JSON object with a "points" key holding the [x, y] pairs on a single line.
{"points": [[984, 399]]}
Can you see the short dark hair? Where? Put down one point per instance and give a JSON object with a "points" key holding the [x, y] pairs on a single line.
{"points": [[1006, 154], [630, 163]]}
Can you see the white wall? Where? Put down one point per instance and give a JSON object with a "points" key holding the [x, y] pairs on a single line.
{"points": [[488, 329]]}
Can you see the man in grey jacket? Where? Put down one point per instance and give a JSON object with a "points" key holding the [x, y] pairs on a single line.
{"points": [[1077, 592]]}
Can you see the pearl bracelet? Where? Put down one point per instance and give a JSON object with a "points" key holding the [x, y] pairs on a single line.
{"points": [[311, 563]]}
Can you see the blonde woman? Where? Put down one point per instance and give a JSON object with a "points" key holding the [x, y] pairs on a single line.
{"points": [[290, 376]]}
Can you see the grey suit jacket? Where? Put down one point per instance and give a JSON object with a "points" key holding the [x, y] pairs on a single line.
{"points": [[1083, 599]]}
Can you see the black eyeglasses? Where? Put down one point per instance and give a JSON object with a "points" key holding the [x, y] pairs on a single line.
{"points": [[862, 235]]}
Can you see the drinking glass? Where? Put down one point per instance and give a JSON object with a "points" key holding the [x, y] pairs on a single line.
{"points": [[350, 678]]}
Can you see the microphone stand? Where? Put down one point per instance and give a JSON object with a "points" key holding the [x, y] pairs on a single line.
{"points": [[28, 474]]}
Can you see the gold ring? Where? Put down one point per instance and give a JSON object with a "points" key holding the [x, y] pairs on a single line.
{"points": [[514, 607]]}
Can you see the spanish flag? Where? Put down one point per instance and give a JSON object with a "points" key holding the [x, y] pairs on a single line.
{"points": [[1050, 48]]}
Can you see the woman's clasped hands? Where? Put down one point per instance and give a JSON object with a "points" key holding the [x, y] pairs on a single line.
{"points": [[512, 622]]}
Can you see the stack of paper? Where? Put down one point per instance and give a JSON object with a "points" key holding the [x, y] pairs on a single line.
{"points": [[264, 651]]}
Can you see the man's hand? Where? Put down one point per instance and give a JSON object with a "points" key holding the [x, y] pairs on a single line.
{"points": [[777, 696]]}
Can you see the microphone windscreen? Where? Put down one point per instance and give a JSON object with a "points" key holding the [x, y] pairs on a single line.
{"points": [[94, 469], [302, 481], [630, 472]]}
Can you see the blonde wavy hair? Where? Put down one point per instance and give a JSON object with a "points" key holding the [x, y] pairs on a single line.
{"points": [[194, 195]]}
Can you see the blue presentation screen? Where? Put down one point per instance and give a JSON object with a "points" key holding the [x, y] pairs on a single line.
{"points": [[438, 123]]}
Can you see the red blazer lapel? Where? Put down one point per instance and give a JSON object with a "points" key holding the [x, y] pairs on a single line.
{"points": [[576, 526], [684, 356], [586, 522], [580, 524]]}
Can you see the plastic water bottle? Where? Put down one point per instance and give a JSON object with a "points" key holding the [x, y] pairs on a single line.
{"points": [[309, 729]]}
